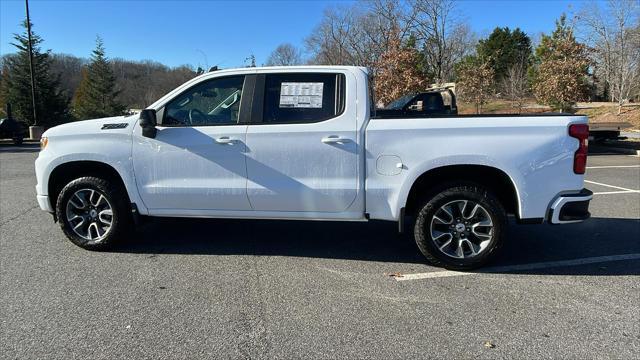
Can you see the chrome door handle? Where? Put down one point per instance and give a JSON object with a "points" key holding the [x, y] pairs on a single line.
{"points": [[333, 139], [224, 140]]}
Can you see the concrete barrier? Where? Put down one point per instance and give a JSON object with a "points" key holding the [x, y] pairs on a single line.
{"points": [[35, 132]]}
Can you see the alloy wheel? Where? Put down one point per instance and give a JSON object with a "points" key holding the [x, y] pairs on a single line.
{"points": [[461, 229], [89, 214]]}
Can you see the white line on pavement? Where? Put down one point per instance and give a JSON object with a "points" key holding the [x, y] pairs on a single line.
{"points": [[429, 275], [523, 267], [615, 192], [611, 186], [613, 166]]}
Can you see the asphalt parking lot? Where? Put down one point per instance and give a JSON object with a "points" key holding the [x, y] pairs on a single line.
{"points": [[259, 289]]}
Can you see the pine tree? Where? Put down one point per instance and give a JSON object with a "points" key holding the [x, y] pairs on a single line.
{"points": [[51, 104], [506, 49], [96, 94]]}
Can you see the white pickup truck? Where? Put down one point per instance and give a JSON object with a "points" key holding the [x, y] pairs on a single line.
{"points": [[305, 143]]}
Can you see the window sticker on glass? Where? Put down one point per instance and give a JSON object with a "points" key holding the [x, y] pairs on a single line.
{"points": [[301, 95]]}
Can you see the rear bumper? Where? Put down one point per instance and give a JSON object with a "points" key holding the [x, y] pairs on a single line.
{"points": [[571, 208]]}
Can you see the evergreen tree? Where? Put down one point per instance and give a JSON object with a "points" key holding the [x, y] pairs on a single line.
{"points": [[96, 94], [506, 49], [51, 104]]}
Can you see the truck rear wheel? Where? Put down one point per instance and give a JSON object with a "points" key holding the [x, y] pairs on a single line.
{"points": [[93, 213], [461, 227]]}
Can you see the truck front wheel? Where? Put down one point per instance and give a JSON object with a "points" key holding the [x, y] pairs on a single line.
{"points": [[93, 213], [461, 227]]}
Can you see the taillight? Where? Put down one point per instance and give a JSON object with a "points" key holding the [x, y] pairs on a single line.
{"points": [[580, 132]]}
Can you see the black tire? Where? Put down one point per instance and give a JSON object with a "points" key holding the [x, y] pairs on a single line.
{"points": [[453, 194], [116, 197]]}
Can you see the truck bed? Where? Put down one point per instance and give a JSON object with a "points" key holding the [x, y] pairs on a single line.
{"points": [[390, 114], [530, 149]]}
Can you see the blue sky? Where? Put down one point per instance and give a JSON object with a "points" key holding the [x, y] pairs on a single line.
{"points": [[220, 32]]}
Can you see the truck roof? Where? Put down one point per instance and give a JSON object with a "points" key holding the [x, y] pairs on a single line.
{"points": [[265, 69], [285, 68]]}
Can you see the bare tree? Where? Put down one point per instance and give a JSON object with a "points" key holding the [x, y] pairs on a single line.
{"points": [[71, 67], [144, 82], [380, 26], [475, 81], [358, 34], [284, 55], [614, 36], [515, 85], [445, 38], [328, 42]]}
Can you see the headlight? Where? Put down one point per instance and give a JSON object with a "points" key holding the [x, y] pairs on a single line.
{"points": [[43, 143]]}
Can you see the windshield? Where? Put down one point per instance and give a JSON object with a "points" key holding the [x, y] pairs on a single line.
{"points": [[399, 104]]}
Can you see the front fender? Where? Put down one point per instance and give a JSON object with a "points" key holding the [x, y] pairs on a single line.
{"points": [[113, 150]]}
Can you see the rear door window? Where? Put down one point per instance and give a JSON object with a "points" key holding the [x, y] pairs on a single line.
{"points": [[303, 97]]}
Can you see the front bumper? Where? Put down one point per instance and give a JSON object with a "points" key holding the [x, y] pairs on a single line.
{"points": [[45, 204], [571, 208]]}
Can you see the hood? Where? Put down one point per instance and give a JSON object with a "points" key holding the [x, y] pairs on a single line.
{"points": [[115, 124]]}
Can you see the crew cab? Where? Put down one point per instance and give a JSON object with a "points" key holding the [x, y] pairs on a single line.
{"points": [[305, 142]]}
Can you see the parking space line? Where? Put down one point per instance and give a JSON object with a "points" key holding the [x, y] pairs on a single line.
{"points": [[523, 267], [431, 275], [613, 166], [615, 192], [611, 186]]}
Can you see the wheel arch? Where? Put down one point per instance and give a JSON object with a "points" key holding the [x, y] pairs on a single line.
{"points": [[66, 172], [490, 177]]}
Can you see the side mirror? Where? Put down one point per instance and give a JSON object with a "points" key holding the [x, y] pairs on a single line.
{"points": [[148, 123]]}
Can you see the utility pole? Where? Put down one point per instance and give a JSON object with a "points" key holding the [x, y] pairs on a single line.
{"points": [[33, 81]]}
